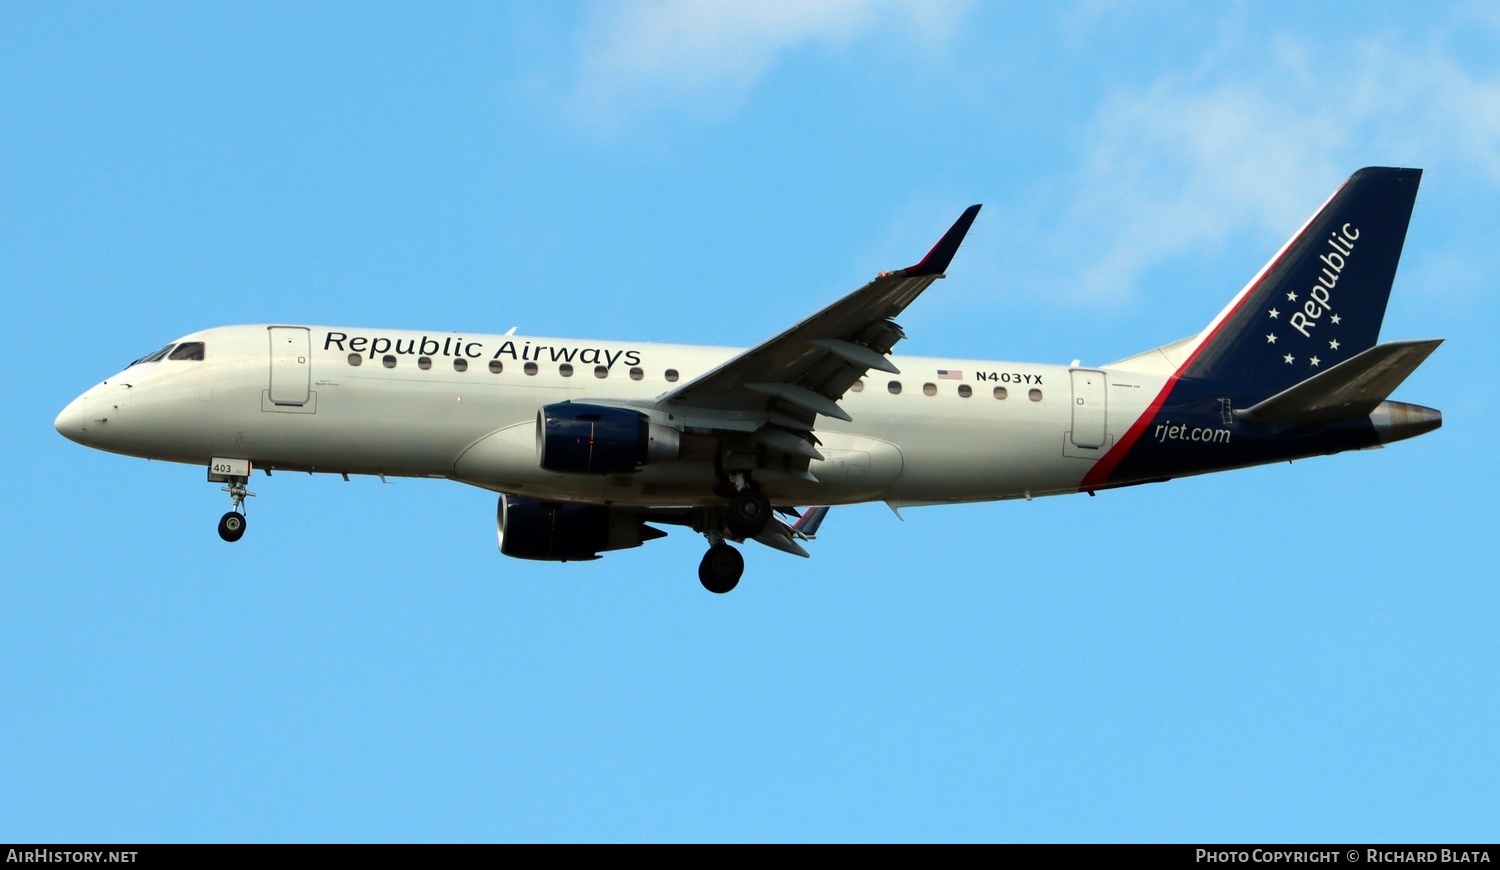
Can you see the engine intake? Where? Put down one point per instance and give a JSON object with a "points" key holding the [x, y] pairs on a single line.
{"points": [[597, 439], [560, 532]]}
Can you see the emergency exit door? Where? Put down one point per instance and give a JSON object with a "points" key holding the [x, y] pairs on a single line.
{"points": [[1089, 418], [291, 373]]}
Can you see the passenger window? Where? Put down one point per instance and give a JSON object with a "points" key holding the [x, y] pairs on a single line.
{"points": [[929, 389], [192, 350], [530, 368], [672, 375], [965, 391], [496, 367], [1001, 392], [356, 360], [1034, 394], [636, 373], [388, 361], [857, 387], [566, 370], [894, 387], [460, 364], [601, 372], [424, 363]]}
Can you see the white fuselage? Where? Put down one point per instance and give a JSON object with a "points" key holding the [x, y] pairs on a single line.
{"points": [[430, 405]]}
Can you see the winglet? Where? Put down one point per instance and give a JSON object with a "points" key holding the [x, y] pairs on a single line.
{"points": [[937, 260]]}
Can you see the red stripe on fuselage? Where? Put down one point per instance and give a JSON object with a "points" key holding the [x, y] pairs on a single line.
{"points": [[1098, 476]]}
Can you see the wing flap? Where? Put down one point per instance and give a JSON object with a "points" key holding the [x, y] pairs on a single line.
{"points": [[802, 397], [787, 442], [856, 353], [778, 536]]}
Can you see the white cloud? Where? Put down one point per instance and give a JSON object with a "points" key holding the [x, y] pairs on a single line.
{"points": [[642, 56], [1232, 148]]}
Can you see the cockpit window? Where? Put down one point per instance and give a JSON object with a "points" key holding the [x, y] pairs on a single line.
{"points": [[155, 357], [188, 350]]}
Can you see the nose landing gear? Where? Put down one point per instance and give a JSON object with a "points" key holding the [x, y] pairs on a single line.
{"points": [[232, 524]]}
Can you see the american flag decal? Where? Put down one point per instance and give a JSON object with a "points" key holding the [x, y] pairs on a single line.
{"points": [[950, 375]]}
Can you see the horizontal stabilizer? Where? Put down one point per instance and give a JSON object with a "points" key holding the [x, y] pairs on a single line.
{"points": [[1353, 388], [807, 525]]}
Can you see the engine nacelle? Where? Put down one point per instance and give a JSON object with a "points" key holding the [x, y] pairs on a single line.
{"points": [[562, 532], [597, 439]]}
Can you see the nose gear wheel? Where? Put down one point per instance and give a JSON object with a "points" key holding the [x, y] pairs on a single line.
{"points": [[232, 526]]}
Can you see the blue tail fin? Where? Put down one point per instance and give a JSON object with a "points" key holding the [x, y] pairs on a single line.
{"points": [[1322, 297]]}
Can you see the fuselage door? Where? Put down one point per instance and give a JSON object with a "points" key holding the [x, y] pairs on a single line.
{"points": [[1089, 418], [291, 373]]}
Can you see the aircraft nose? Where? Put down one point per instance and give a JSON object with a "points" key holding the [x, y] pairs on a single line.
{"points": [[73, 420]]}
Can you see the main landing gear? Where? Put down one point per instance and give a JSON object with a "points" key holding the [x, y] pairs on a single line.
{"points": [[232, 524], [721, 568], [749, 509], [747, 515], [749, 512]]}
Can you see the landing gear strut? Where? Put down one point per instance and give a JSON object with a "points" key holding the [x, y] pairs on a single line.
{"points": [[747, 515], [721, 568], [232, 524]]}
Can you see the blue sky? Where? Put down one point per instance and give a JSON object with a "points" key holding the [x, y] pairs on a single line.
{"points": [[1302, 652]]}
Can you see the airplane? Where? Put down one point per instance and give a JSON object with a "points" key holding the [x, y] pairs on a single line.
{"points": [[592, 444]]}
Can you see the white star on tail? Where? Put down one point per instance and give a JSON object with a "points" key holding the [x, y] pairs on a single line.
{"points": [[1334, 319], [1288, 359], [1314, 361], [1274, 314], [1270, 338], [1291, 297], [1333, 345]]}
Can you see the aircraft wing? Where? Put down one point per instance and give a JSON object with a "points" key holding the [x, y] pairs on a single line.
{"points": [[805, 370]]}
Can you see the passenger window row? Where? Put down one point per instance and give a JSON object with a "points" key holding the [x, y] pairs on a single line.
{"points": [[496, 366], [461, 364], [964, 390]]}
